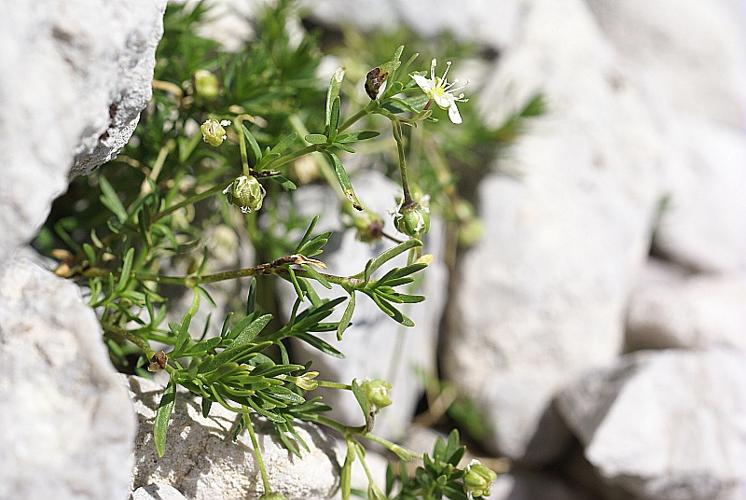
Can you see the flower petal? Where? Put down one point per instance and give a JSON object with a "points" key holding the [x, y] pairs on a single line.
{"points": [[424, 83], [454, 115], [443, 99]]}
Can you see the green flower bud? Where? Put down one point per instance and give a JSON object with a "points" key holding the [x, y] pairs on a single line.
{"points": [[413, 219], [369, 226], [377, 392], [213, 132], [205, 84], [245, 192], [272, 496], [478, 479], [306, 381]]}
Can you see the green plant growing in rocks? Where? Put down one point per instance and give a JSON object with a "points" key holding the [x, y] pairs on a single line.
{"points": [[220, 146]]}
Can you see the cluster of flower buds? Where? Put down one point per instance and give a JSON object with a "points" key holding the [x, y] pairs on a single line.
{"points": [[245, 192], [478, 479]]}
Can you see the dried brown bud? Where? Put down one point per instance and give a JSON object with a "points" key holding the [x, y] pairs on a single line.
{"points": [[158, 361]]}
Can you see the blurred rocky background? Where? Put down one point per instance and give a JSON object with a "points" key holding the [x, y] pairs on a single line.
{"points": [[596, 332]]}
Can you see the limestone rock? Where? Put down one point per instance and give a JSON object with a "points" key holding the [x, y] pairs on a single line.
{"points": [[201, 464], [76, 75], [482, 21], [670, 308], [666, 425], [703, 219], [695, 59], [157, 492], [541, 297], [374, 346], [66, 424], [526, 485]]}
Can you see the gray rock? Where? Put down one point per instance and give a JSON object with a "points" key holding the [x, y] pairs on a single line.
{"points": [[374, 346], [703, 221], [75, 76], [665, 425], [66, 424], [541, 298], [202, 464], [157, 492], [670, 308], [526, 485], [695, 59]]}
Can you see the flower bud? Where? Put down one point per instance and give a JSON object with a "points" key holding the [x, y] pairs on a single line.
{"points": [[478, 479], [205, 84], [245, 192], [213, 132], [307, 382], [368, 225], [413, 219], [377, 392]]}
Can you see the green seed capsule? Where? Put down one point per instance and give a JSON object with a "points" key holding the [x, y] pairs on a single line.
{"points": [[413, 219], [246, 192], [206, 84]]}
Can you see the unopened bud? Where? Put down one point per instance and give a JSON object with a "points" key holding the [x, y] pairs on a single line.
{"points": [[478, 479], [307, 382], [377, 392], [413, 219], [245, 192], [213, 132], [205, 84]]}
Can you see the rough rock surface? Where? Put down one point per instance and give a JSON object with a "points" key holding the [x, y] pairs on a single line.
{"points": [[103, 54], [694, 59], [66, 425], [202, 465], [157, 492], [374, 346], [664, 425], [670, 308], [533, 309], [703, 219]]}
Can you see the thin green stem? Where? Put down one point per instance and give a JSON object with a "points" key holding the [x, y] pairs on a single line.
{"points": [[189, 201], [398, 137], [366, 110], [242, 146], [257, 453], [123, 334], [283, 160], [334, 385]]}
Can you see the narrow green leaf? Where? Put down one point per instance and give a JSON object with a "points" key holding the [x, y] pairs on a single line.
{"points": [[346, 479], [316, 138], [346, 316], [319, 344], [389, 254], [124, 277], [344, 181], [160, 427], [256, 151], [110, 199], [334, 119], [333, 93]]}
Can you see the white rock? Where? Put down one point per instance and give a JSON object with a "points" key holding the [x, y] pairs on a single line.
{"points": [[669, 308], [483, 21], [75, 76], [666, 425], [542, 296], [696, 59], [66, 424], [201, 464], [528, 485], [703, 222], [157, 492], [374, 346]]}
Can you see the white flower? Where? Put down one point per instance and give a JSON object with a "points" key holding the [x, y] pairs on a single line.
{"points": [[443, 93]]}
